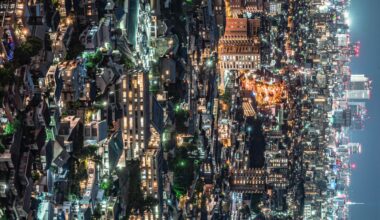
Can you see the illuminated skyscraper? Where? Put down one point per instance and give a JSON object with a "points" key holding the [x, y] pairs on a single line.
{"points": [[239, 47], [358, 92], [355, 148], [134, 102], [360, 88], [142, 134], [358, 114], [240, 7]]}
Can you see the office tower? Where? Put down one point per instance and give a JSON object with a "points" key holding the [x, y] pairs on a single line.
{"points": [[355, 148], [245, 7], [358, 114], [239, 47], [134, 101], [359, 88]]}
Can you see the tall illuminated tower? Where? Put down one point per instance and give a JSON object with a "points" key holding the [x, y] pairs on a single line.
{"points": [[134, 102], [239, 47], [360, 88]]}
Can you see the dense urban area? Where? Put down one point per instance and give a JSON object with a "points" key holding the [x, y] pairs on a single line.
{"points": [[178, 109]]}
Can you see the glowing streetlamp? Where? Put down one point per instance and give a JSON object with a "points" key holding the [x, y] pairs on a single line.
{"points": [[209, 63], [25, 31], [68, 21]]}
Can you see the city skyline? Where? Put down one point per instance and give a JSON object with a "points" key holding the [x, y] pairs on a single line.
{"points": [[196, 109], [363, 180]]}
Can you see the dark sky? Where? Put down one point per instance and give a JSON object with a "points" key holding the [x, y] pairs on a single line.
{"points": [[365, 181]]}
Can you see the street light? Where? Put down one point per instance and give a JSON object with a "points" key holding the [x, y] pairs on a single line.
{"points": [[209, 63], [68, 21], [25, 31]]}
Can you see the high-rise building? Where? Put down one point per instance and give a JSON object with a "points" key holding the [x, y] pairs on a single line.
{"points": [[13, 26], [245, 7], [151, 179], [359, 88], [248, 181], [90, 10], [355, 148], [342, 118], [151, 160], [239, 47], [135, 104], [141, 134], [274, 7], [358, 114]]}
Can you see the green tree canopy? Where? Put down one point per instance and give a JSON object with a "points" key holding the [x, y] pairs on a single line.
{"points": [[10, 128], [128, 63], [26, 50], [183, 168]]}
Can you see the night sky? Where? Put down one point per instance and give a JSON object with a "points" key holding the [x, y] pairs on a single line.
{"points": [[365, 181]]}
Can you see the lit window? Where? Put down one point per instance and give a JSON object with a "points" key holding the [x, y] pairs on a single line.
{"points": [[130, 122], [125, 121]]}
